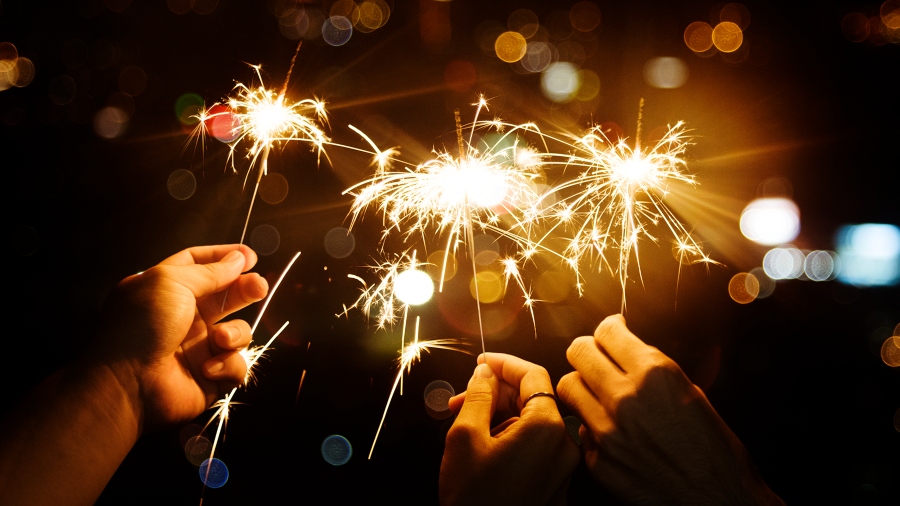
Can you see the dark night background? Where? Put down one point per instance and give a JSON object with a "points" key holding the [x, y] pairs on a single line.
{"points": [[797, 375]]}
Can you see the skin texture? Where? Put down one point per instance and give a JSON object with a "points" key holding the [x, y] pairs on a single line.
{"points": [[527, 459], [649, 435], [161, 357]]}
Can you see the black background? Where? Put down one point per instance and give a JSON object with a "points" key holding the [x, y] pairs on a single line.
{"points": [[796, 375]]}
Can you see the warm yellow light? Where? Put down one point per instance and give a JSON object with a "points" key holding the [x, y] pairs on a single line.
{"points": [[413, 287]]}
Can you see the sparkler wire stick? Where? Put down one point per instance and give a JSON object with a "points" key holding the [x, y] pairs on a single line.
{"points": [[252, 355]]}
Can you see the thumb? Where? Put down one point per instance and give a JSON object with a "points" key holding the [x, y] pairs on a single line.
{"points": [[206, 279], [480, 402]]}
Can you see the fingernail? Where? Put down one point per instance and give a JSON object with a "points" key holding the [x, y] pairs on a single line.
{"points": [[214, 366], [484, 371], [232, 334]]}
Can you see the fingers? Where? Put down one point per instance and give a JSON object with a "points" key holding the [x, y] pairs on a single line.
{"points": [[576, 394], [247, 289], [625, 348], [230, 336], [206, 279], [525, 378], [600, 374], [228, 369], [211, 254], [474, 419]]}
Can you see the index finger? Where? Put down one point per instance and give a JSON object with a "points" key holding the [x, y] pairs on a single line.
{"points": [[525, 377], [211, 254]]}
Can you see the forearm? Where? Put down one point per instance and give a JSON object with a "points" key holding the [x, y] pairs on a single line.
{"points": [[63, 443]]}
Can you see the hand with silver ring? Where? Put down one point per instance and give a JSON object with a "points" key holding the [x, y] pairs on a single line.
{"points": [[527, 459]]}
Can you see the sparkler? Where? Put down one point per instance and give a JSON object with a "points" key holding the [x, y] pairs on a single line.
{"points": [[264, 118], [401, 284], [251, 356], [487, 186], [619, 194]]}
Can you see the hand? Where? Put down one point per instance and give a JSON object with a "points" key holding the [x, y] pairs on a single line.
{"points": [[525, 460], [162, 337], [649, 435]]}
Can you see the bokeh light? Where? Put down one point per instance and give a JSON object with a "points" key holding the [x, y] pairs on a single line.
{"points": [[510, 46], [337, 30], [197, 450], [698, 36], [187, 107], [770, 221], [213, 473], [890, 351], [766, 284], [736, 13], [821, 266], [273, 188], [223, 124], [553, 286], [490, 287], [524, 22], [855, 27], [413, 287], [538, 56], [339, 242], [181, 184], [62, 89], [336, 450], [890, 14], [743, 288], [727, 37], [784, 263], [436, 394], [589, 85], [559, 81], [869, 254], [373, 14], [665, 72], [437, 262], [110, 122], [265, 239], [585, 16]]}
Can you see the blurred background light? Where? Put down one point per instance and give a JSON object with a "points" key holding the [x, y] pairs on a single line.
{"points": [[869, 254], [585, 16], [727, 37], [698, 37], [560, 81], [337, 30], [821, 266], [336, 450], [783, 263], [413, 287], [665, 72], [743, 288], [770, 221], [510, 46]]}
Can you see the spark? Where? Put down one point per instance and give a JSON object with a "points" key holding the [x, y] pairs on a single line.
{"points": [[251, 355], [614, 201], [410, 354], [488, 185], [262, 119]]}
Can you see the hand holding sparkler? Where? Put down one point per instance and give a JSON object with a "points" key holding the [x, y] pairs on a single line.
{"points": [[162, 357], [649, 435], [162, 330], [525, 460]]}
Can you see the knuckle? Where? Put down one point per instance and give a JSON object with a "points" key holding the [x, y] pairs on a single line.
{"points": [[577, 351], [460, 434]]}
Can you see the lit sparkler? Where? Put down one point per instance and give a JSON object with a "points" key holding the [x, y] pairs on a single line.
{"points": [[264, 118], [401, 284], [488, 186], [251, 356], [619, 195]]}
